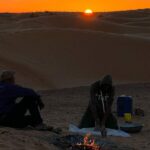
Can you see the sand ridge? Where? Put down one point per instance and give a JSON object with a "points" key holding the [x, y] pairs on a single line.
{"points": [[65, 50]]}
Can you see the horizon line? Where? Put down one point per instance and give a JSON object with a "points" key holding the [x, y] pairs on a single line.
{"points": [[49, 11]]}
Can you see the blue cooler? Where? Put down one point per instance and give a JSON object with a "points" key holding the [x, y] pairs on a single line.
{"points": [[124, 105]]}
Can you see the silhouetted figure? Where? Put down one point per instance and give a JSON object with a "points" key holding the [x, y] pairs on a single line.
{"points": [[98, 113], [15, 101]]}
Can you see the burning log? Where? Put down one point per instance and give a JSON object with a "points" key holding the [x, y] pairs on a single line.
{"points": [[85, 147]]}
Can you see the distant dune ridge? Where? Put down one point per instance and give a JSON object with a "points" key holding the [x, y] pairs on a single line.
{"points": [[54, 50]]}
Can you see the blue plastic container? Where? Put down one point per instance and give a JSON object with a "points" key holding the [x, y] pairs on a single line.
{"points": [[124, 105]]}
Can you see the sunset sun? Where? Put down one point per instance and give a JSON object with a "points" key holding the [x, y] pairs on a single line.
{"points": [[88, 12]]}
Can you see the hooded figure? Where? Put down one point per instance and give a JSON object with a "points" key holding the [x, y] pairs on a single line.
{"points": [[98, 113]]}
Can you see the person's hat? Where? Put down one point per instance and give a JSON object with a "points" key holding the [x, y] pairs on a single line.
{"points": [[6, 74], [107, 80]]}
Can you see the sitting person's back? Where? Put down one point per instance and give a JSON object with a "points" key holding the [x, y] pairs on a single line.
{"points": [[13, 113], [9, 93]]}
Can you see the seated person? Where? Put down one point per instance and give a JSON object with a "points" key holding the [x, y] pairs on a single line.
{"points": [[13, 113], [98, 113]]}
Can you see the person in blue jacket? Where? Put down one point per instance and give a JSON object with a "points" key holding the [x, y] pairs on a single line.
{"points": [[15, 101]]}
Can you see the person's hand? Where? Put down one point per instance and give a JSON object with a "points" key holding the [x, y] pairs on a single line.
{"points": [[97, 128], [40, 104], [103, 131]]}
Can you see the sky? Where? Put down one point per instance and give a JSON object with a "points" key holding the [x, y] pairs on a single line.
{"points": [[71, 5]]}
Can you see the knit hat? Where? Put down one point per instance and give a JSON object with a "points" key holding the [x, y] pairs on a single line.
{"points": [[6, 74]]}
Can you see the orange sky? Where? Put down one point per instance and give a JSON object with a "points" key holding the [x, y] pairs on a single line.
{"points": [[70, 5]]}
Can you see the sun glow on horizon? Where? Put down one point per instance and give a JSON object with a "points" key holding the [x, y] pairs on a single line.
{"points": [[88, 12]]}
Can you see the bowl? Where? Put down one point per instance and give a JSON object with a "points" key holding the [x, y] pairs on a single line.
{"points": [[131, 127]]}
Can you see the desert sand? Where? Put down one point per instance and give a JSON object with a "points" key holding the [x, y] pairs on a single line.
{"points": [[59, 50], [54, 52], [66, 106]]}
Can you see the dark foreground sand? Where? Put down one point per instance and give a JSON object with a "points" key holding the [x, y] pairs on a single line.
{"points": [[67, 106]]}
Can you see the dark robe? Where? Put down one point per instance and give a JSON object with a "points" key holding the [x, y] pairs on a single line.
{"points": [[99, 107]]}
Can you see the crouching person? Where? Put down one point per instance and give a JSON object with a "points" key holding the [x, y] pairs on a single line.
{"points": [[15, 101], [98, 113]]}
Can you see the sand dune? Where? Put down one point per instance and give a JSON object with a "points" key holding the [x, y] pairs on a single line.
{"points": [[77, 22], [74, 57], [57, 51], [139, 23]]}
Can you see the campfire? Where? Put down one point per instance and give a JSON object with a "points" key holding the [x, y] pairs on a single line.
{"points": [[88, 144]]}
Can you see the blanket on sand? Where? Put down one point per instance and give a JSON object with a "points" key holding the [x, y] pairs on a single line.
{"points": [[110, 132]]}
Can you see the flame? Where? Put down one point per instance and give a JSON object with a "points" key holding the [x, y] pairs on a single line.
{"points": [[89, 143]]}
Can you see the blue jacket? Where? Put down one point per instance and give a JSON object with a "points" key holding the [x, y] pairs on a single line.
{"points": [[9, 93]]}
